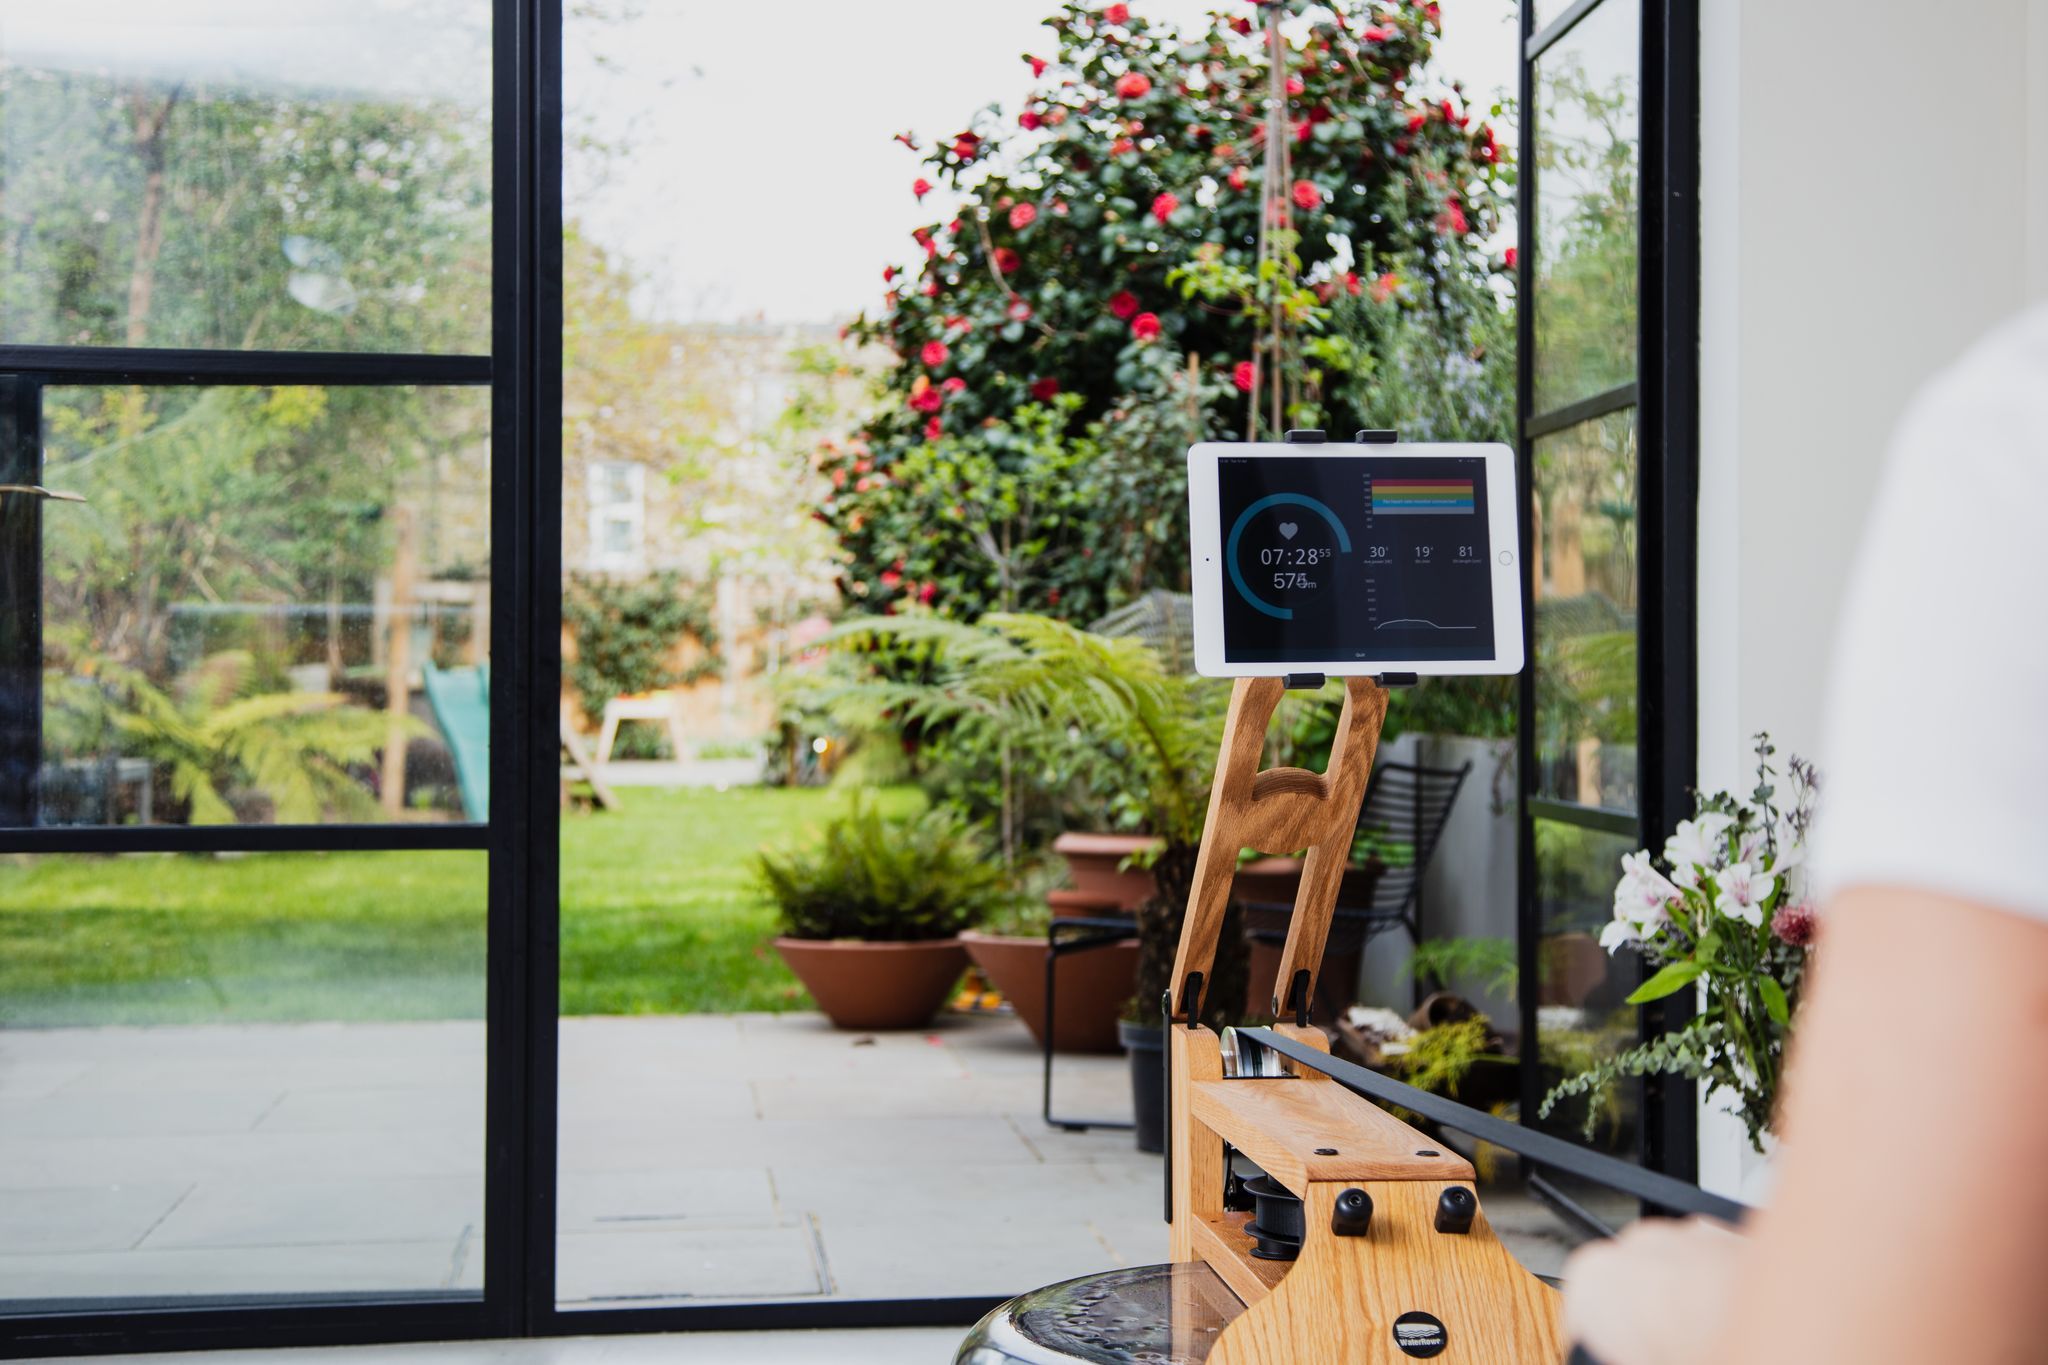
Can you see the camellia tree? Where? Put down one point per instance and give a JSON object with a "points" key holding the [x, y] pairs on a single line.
{"points": [[1159, 247]]}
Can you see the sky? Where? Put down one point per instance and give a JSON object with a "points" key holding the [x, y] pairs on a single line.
{"points": [[762, 179], [376, 47]]}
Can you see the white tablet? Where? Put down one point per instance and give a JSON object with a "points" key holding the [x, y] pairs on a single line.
{"points": [[1353, 560]]}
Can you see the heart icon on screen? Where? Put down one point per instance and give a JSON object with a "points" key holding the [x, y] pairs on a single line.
{"points": [[1287, 530]]}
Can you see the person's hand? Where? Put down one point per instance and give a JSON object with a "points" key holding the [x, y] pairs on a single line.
{"points": [[1655, 1295]]}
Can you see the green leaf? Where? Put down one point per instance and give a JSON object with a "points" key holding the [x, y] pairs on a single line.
{"points": [[1774, 1001], [1668, 980]]}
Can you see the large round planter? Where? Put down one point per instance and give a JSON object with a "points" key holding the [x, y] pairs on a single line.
{"points": [[1146, 1044], [1093, 987], [1276, 881], [1095, 866], [862, 985]]}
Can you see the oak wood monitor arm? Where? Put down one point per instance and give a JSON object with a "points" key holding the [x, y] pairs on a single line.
{"points": [[1396, 1260]]}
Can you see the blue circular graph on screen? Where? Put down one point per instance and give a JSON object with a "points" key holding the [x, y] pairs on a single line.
{"points": [[1244, 518]]}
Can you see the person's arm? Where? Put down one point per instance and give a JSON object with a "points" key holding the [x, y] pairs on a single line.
{"points": [[1909, 1221]]}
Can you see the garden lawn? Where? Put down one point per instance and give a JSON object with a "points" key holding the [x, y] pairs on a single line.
{"points": [[659, 915]]}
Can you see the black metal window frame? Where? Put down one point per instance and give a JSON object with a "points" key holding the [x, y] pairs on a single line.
{"points": [[520, 838], [1665, 395], [520, 443]]}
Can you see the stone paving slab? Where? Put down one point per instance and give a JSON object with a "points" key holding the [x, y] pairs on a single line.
{"points": [[701, 1158], [333, 1211]]}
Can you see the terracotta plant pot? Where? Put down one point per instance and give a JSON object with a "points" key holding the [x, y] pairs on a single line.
{"points": [[1276, 881], [861, 985], [1094, 862], [1093, 986]]}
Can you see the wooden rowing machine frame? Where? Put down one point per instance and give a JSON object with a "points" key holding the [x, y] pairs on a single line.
{"points": [[1407, 1260]]}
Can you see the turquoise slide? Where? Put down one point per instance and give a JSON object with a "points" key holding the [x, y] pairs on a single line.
{"points": [[461, 698]]}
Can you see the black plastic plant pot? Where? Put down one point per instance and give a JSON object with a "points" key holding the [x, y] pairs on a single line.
{"points": [[1146, 1044]]}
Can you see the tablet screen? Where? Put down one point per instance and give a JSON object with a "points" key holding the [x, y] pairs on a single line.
{"points": [[1358, 557]]}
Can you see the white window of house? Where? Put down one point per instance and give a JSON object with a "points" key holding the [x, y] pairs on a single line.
{"points": [[618, 516]]}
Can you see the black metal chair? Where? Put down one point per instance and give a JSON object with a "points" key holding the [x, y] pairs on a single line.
{"points": [[1405, 804]]}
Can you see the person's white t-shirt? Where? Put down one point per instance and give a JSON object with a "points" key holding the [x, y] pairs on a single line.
{"points": [[1936, 753]]}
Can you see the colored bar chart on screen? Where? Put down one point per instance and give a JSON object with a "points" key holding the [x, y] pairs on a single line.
{"points": [[1422, 497]]}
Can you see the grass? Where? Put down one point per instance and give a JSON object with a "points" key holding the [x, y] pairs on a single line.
{"points": [[659, 916]]}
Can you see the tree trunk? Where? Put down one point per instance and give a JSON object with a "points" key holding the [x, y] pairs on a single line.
{"points": [[148, 119]]}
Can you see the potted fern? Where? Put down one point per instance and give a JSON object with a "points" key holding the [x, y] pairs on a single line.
{"points": [[871, 912], [1047, 682]]}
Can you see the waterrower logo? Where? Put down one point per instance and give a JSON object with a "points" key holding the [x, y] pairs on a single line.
{"points": [[1419, 1334]]}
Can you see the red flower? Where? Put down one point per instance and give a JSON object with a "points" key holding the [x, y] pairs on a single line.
{"points": [[1383, 287], [1244, 375], [926, 593], [920, 187], [927, 399], [965, 146], [888, 273], [1795, 924], [1145, 326], [1417, 119], [1053, 598], [1510, 258], [1451, 222], [1117, 14], [1241, 25], [1237, 177], [930, 288], [1351, 281], [1164, 205], [890, 578], [1294, 85], [1135, 85], [1123, 304], [1307, 195], [934, 354], [1056, 115], [1122, 145], [1023, 215], [1377, 35], [1019, 311], [1008, 261], [933, 427], [1027, 120], [1037, 65], [1045, 390], [1452, 115], [954, 384]]}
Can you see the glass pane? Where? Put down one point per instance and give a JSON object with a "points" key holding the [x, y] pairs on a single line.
{"points": [[231, 1076], [304, 175], [1581, 1011], [273, 606], [1585, 591], [1588, 112]]}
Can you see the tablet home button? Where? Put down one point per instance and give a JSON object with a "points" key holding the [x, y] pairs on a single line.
{"points": [[1507, 556]]}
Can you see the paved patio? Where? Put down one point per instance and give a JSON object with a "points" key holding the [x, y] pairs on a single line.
{"points": [[702, 1157]]}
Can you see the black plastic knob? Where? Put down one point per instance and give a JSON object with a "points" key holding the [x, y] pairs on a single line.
{"points": [[1353, 1214], [1455, 1209]]}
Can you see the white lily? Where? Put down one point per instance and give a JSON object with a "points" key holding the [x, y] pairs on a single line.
{"points": [[1618, 932], [1743, 891], [1643, 895], [1700, 842]]}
